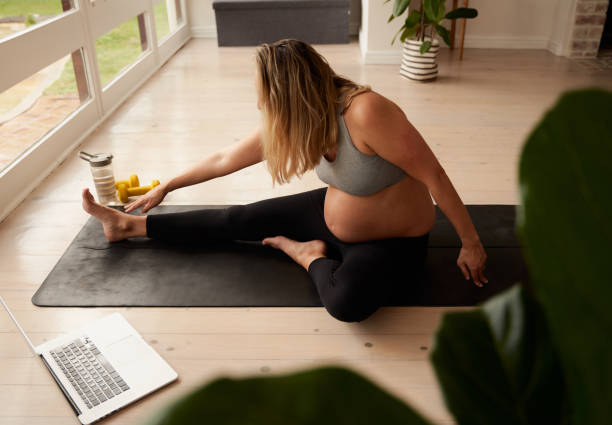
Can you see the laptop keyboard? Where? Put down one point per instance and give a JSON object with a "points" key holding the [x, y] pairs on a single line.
{"points": [[91, 375]]}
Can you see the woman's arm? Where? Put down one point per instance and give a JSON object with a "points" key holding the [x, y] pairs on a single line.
{"points": [[385, 129], [235, 157]]}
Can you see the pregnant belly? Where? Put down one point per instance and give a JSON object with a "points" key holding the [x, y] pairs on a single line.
{"points": [[402, 210]]}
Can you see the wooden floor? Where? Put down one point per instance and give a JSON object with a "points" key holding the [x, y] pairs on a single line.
{"points": [[475, 117]]}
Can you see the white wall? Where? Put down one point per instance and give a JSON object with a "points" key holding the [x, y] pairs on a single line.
{"points": [[202, 18], [521, 24], [518, 24], [376, 34], [562, 28]]}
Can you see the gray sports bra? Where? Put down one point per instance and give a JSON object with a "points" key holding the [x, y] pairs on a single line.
{"points": [[355, 172]]}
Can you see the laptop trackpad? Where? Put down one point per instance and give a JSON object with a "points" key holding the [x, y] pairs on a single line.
{"points": [[126, 350]]}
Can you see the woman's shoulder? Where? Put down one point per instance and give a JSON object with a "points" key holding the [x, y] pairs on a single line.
{"points": [[368, 107]]}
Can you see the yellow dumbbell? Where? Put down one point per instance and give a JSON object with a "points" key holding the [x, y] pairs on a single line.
{"points": [[132, 182], [124, 191]]}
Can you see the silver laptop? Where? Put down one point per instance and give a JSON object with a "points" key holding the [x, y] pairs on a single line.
{"points": [[103, 366]]}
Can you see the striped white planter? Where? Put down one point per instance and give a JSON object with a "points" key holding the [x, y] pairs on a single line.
{"points": [[417, 66]]}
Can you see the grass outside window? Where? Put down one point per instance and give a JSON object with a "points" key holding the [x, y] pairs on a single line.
{"points": [[117, 49]]}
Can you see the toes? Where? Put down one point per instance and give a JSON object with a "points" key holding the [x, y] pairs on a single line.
{"points": [[274, 242], [268, 241], [87, 196]]}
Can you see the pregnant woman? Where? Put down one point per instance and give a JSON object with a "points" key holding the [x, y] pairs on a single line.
{"points": [[361, 238]]}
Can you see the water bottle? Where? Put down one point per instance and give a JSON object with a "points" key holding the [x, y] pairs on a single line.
{"points": [[102, 172]]}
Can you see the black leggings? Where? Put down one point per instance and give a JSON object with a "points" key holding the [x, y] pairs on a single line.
{"points": [[353, 281]]}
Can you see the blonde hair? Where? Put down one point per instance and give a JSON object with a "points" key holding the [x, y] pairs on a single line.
{"points": [[300, 99]]}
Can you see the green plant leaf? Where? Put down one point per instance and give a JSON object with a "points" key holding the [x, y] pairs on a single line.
{"points": [[413, 19], [441, 11], [565, 224], [409, 32], [400, 6], [322, 396], [496, 364], [410, 27], [434, 10], [390, 18], [443, 33], [431, 8], [403, 27], [462, 12], [425, 47]]}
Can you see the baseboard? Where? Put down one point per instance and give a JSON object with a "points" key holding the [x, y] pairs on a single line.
{"points": [[204, 31], [504, 42], [394, 56], [382, 57], [556, 48]]}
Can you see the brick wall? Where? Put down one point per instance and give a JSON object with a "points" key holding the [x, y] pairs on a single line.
{"points": [[589, 20]]}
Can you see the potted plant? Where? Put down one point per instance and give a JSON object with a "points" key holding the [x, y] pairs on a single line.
{"points": [[420, 46]]}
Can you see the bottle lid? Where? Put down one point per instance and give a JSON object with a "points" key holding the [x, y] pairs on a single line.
{"points": [[98, 159]]}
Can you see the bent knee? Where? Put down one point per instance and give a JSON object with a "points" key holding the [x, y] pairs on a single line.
{"points": [[346, 309], [349, 292]]}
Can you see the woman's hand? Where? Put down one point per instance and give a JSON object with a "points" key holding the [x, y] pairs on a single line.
{"points": [[150, 199], [472, 260]]}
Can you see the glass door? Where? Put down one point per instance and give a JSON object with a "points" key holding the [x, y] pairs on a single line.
{"points": [[65, 66]]}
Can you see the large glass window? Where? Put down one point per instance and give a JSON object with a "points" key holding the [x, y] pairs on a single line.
{"points": [[120, 47], [37, 104], [17, 15], [168, 17]]}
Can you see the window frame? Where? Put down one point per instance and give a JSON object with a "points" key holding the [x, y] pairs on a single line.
{"points": [[46, 42]]}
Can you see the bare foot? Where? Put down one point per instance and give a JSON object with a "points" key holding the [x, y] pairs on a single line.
{"points": [[302, 253], [117, 225]]}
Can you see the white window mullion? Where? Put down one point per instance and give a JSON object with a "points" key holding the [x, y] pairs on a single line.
{"points": [[176, 40], [106, 15], [24, 54], [91, 59], [152, 31]]}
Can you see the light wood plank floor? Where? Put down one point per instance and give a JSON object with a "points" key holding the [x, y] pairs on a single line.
{"points": [[475, 117]]}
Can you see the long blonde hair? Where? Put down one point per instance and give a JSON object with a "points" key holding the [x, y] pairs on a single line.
{"points": [[300, 99]]}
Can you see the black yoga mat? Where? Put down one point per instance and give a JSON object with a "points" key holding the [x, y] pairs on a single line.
{"points": [[145, 272]]}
